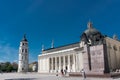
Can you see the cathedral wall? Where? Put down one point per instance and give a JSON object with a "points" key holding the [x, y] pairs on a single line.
{"points": [[113, 50], [79, 61], [97, 58], [43, 64], [93, 59]]}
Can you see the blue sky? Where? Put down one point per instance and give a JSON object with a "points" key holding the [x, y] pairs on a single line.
{"points": [[44, 20]]}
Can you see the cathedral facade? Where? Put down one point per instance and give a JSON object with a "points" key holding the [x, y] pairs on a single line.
{"points": [[95, 53]]}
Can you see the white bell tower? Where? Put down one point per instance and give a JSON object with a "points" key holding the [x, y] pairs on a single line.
{"points": [[23, 56]]}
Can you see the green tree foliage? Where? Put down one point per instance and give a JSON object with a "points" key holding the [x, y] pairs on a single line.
{"points": [[15, 66], [8, 67]]}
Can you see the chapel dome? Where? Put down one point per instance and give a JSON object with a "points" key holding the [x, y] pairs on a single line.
{"points": [[91, 31], [91, 35]]}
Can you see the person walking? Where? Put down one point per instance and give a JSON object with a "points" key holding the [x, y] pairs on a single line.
{"points": [[62, 72], [65, 72], [83, 74], [57, 73]]}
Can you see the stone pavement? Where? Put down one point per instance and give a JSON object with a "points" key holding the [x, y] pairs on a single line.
{"points": [[36, 76]]}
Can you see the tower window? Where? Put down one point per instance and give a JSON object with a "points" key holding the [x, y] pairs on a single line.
{"points": [[22, 50], [25, 50], [23, 43], [22, 57], [22, 69], [115, 48], [25, 56]]}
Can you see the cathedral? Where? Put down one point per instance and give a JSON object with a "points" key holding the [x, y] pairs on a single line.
{"points": [[95, 53]]}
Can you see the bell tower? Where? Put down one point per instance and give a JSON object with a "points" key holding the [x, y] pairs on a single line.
{"points": [[23, 55]]}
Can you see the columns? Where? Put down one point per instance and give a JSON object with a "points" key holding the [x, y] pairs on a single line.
{"points": [[51, 65], [38, 64], [77, 63], [56, 64], [59, 63], [74, 66], [68, 66], [63, 62]]}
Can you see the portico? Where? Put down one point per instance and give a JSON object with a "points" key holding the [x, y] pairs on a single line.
{"points": [[66, 59], [60, 62]]}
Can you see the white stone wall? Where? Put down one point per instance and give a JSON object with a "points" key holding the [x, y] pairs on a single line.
{"points": [[79, 61], [43, 65], [113, 54], [97, 58]]}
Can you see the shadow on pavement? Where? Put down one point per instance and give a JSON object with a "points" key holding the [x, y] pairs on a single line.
{"points": [[22, 79]]}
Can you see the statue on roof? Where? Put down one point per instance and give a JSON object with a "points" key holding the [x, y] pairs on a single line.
{"points": [[115, 37], [90, 25]]}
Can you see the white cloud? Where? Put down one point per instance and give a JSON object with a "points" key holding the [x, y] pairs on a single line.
{"points": [[8, 53], [1, 61]]}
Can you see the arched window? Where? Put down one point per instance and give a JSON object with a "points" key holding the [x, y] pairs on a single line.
{"points": [[25, 50], [22, 69], [22, 57], [115, 48], [22, 50]]}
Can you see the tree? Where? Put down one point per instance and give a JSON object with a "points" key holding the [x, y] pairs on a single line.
{"points": [[9, 68], [15, 66]]}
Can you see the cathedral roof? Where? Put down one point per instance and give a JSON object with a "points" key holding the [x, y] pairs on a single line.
{"points": [[76, 44]]}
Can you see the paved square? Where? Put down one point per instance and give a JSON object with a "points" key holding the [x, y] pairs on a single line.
{"points": [[37, 76]]}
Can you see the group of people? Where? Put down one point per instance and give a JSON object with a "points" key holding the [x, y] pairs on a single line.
{"points": [[63, 72]]}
